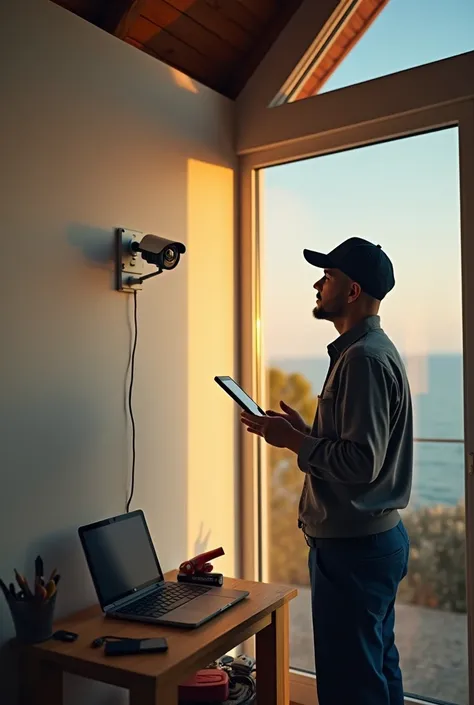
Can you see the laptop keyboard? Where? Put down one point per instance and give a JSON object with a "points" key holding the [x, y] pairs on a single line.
{"points": [[164, 600]]}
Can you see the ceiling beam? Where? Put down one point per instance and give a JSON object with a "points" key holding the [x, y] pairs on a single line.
{"points": [[286, 10], [285, 54], [410, 91]]}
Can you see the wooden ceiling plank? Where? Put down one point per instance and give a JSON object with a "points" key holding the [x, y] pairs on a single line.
{"points": [[239, 14], [143, 31], [357, 22], [128, 18], [348, 34], [189, 31], [177, 53], [327, 63], [232, 10], [215, 19], [365, 12], [263, 9]]}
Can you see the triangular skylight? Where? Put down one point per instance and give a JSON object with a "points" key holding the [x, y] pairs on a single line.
{"points": [[372, 38]]}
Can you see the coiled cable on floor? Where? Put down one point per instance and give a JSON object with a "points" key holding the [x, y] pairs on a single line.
{"points": [[242, 689]]}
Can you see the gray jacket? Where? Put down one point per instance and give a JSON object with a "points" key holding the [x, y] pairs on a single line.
{"points": [[358, 459]]}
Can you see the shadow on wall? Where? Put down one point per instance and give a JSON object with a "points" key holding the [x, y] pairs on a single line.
{"points": [[202, 542], [97, 247]]}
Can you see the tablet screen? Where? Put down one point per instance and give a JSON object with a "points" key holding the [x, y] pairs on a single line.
{"points": [[237, 393]]}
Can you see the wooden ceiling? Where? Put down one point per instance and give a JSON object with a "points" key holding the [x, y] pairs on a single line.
{"points": [[217, 42]]}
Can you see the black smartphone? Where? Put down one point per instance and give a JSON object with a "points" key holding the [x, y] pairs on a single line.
{"points": [[125, 647], [149, 646]]}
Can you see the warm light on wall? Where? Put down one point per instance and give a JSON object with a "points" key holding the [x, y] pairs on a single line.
{"points": [[211, 351], [183, 81]]}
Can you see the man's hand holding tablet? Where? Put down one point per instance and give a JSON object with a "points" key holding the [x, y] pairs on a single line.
{"points": [[286, 430]]}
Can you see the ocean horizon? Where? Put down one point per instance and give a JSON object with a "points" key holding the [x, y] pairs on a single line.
{"points": [[436, 383]]}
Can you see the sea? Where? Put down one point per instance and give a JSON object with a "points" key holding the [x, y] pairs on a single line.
{"points": [[436, 383]]}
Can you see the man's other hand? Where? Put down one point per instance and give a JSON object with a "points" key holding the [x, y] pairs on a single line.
{"points": [[275, 430], [292, 416]]}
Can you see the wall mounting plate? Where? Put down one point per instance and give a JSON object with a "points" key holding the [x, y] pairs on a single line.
{"points": [[129, 264]]}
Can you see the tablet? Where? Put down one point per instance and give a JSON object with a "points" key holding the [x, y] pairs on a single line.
{"points": [[230, 386]]}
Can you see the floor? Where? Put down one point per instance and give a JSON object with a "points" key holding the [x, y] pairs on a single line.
{"points": [[432, 645]]}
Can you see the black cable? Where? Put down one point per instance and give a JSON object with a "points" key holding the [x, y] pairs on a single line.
{"points": [[130, 393], [242, 689]]}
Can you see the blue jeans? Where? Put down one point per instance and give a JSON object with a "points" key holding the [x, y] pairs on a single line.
{"points": [[354, 583]]}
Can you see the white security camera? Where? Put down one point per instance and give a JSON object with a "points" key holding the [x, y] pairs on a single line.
{"points": [[133, 250]]}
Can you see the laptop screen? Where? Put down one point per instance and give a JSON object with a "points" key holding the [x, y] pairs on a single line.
{"points": [[120, 555]]}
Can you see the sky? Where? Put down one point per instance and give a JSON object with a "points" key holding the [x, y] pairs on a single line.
{"points": [[403, 195]]}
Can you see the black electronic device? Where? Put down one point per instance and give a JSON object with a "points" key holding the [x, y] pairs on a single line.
{"points": [[63, 635], [127, 647], [214, 579], [235, 391], [156, 645]]}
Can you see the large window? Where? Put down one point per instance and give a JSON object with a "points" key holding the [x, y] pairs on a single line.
{"points": [[405, 195]]}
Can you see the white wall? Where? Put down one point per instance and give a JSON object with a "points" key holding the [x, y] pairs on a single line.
{"points": [[95, 135]]}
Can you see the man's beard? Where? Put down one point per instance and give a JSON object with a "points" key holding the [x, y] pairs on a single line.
{"points": [[323, 314]]}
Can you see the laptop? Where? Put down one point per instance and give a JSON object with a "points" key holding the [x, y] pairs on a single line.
{"points": [[129, 581]]}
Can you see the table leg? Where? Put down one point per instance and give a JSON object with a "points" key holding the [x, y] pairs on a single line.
{"points": [[150, 692], [273, 660], [40, 682]]}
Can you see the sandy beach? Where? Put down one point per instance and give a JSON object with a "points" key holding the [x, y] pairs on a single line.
{"points": [[432, 645]]}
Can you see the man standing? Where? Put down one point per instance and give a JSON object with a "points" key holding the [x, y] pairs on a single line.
{"points": [[357, 464]]}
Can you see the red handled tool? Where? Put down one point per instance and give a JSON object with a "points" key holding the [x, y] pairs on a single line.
{"points": [[200, 563], [209, 685]]}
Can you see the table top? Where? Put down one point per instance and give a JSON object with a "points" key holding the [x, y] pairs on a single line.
{"points": [[188, 649]]}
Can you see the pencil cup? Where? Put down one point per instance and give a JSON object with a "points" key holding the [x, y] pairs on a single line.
{"points": [[33, 620]]}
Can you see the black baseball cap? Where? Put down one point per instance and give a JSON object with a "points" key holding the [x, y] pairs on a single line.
{"points": [[362, 261]]}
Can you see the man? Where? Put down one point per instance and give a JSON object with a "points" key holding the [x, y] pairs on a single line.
{"points": [[357, 465]]}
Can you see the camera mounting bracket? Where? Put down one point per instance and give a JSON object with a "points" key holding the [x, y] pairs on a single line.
{"points": [[129, 265]]}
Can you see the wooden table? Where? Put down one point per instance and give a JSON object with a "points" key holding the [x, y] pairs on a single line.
{"points": [[153, 679]]}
